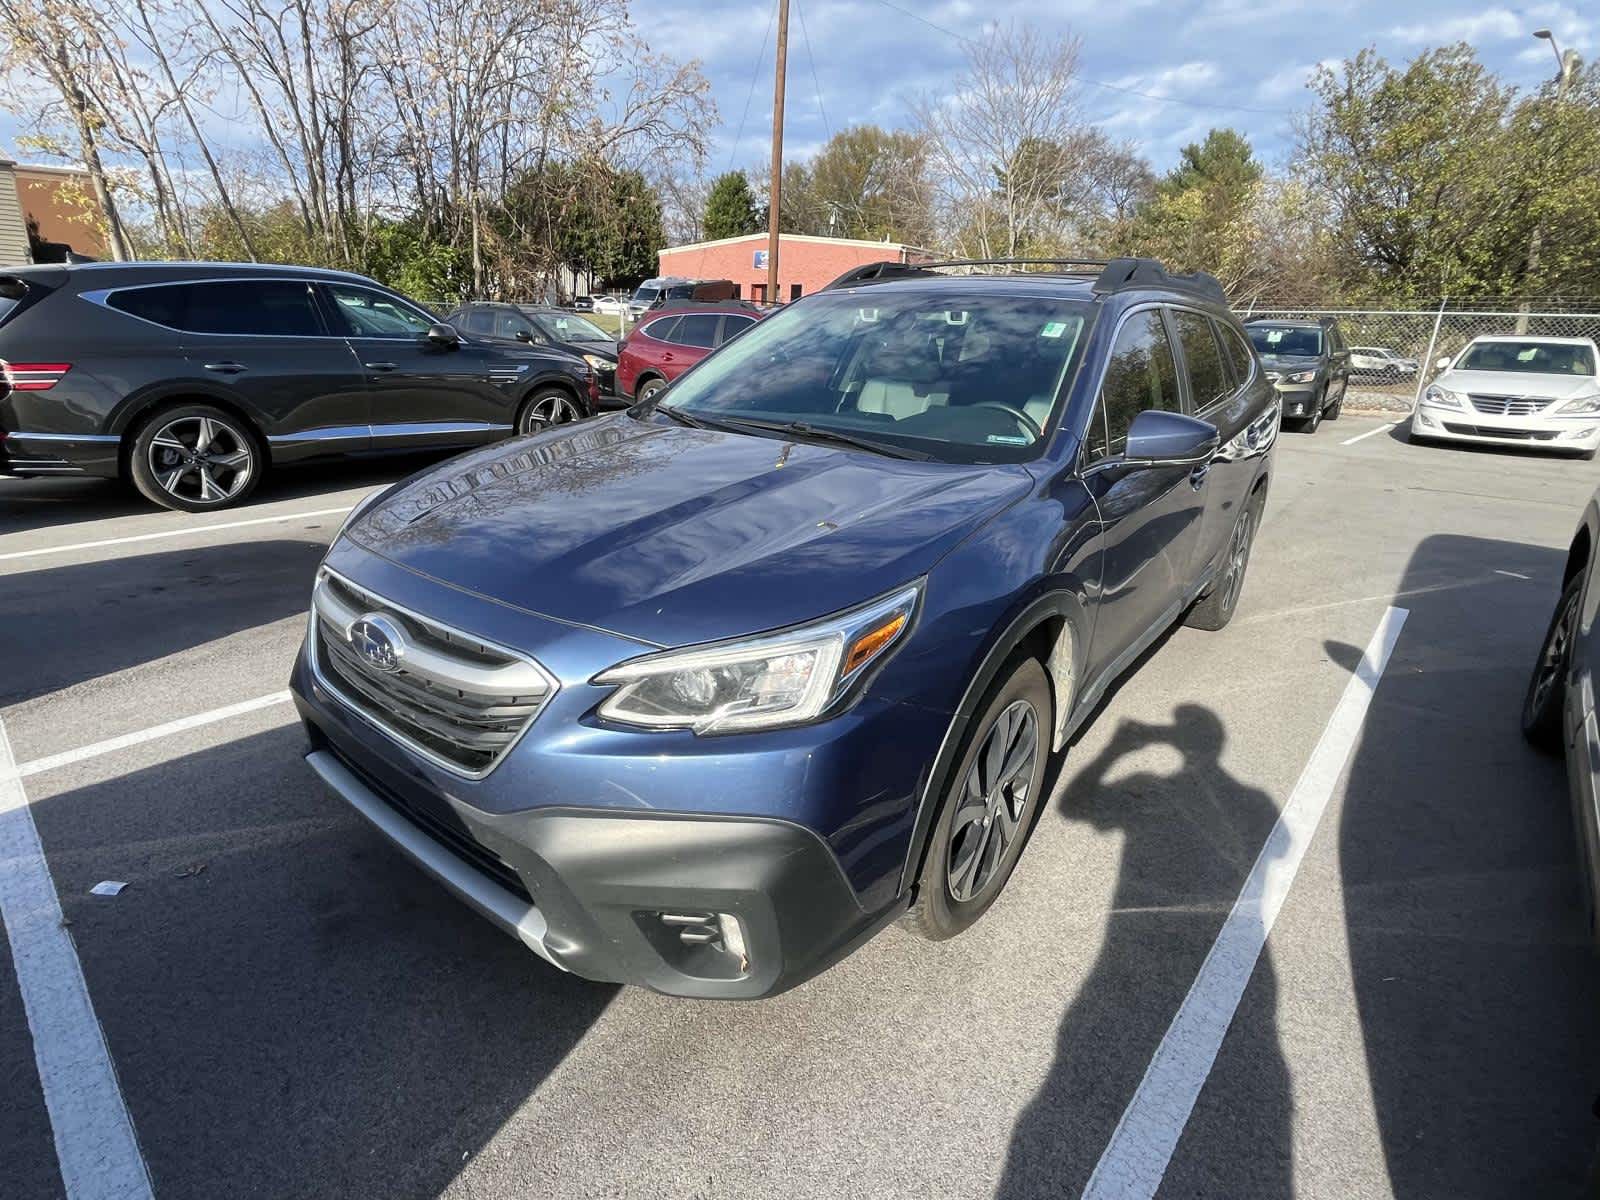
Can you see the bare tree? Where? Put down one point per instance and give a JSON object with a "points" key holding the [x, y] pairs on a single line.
{"points": [[1007, 140]]}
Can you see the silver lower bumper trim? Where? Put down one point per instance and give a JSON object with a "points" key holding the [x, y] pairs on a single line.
{"points": [[513, 914]]}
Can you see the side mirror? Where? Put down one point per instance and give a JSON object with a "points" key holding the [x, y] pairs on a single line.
{"points": [[1442, 363], [443, 335], [1158, 438], [523, 335]]}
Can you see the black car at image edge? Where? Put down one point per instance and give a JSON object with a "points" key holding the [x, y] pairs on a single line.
{"points": [[192, 379]]}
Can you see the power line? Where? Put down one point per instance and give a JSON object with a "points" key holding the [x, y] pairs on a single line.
{"points": [[755, 75], [815, 82], [1110, 87]]}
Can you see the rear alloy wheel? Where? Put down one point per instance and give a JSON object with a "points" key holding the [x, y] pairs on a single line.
{"points": [[195, 458], [547, 407], [1547, 689], [988, 807], [1215, 608], [649, 388]]}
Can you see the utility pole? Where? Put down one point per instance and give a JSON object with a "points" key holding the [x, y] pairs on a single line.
{"points": [[1567, 65], [777, 152]]}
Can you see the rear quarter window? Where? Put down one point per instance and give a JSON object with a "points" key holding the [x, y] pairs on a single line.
{"points": [[661, 330]]}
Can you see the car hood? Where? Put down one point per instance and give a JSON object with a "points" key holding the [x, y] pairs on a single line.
{"points": [[674, 535], [1289, 362], [1519, 383]]}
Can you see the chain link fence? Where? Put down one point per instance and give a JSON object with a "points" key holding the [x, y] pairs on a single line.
{"points": [[1411, 340]]}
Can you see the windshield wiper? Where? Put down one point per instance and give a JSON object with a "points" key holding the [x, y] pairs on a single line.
{"points": [[812, 433]]}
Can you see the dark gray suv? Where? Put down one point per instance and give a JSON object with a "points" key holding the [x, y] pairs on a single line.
{"points": [[1309, 365], [191, 379]]}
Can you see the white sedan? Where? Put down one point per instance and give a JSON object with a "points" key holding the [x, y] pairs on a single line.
{"points": [[611, 306], [1538, 392]]}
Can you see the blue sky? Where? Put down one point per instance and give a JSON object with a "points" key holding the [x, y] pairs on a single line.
{"points": [[1218, 62]]}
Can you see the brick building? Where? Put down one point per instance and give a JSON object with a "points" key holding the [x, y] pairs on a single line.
{"points": [[805, 264], [55, 205]]}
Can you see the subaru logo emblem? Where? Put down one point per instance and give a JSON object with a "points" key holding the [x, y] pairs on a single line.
{"points": [[378, 641]]}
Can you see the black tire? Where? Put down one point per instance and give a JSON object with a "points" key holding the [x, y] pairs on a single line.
{"points": [[950, 901], [1215, 609], [1547, 686], [648, 388], [195, 458], [547, 407], [1310, 424], [1337, 406]]}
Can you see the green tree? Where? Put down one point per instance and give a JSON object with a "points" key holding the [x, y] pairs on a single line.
{"points": [[731, 209], [873, 184]]}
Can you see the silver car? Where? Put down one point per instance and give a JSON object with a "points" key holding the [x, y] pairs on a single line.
{"points": [[1558, 713]]}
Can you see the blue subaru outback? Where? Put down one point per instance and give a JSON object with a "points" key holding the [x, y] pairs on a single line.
{"points": [[702, 695]]}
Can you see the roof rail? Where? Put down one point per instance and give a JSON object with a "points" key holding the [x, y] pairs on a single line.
{"points": [[868, 272], [1123, 273]]}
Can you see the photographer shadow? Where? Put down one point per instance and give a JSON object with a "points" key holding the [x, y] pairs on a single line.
{"points": [[1190, 837]]}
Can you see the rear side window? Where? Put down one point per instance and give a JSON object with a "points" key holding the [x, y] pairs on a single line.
{"points": [[1141, 374], [697, 330], [733, 326], [1238, 352], [269, 308], [661, 330], [1208, 377]]}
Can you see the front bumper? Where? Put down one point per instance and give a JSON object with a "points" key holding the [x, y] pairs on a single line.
{"points": [[699, 906], [1561, 434], [1299, 400]]}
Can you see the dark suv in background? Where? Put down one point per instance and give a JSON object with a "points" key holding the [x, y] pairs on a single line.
{"points": [[702, 695], [539, 325], [1309, 363], [192, 378]]}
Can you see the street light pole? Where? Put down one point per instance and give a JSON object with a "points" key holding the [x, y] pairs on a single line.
{"points": [[774, 198], [1566, 65]]}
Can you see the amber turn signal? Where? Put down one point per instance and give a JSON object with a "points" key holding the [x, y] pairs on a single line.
{"points": [[868, 644]]}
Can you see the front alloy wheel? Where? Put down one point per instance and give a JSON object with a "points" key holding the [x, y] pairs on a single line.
{"points": [[988, 806], [551, 406]]}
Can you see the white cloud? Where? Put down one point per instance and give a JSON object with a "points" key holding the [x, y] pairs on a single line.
{"points": [[1491, 23]]}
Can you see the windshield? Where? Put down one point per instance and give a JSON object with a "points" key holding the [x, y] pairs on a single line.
{"points": [[1536, 358], [645, 294], [1293, 341], [568, 328], [957, 376]]}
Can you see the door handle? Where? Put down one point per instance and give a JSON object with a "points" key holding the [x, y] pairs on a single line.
{"points": [[226, 368], [379, 366]]}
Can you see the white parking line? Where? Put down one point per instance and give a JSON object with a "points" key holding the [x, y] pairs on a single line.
{"points": [[1369, 433], [96, 1146], [1141, 1148], [111, 745], [188, 531]]}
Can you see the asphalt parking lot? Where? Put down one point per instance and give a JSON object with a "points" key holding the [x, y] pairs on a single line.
{"points": [[293, 1010]]}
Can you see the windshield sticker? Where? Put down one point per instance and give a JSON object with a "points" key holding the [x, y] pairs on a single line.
{"points": [[1053, 329], [1006, 439], [1274, 336], [1527, 355]]}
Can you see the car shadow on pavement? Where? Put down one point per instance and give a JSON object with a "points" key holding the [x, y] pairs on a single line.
{"points": [[1189, 838], [293, 1009], [63, 625], [1476, 989]]}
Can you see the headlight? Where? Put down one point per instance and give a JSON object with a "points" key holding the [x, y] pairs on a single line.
{"points": [[1441, 397], [1302, 377], [598, 363], [1584, 404], [759, 683]]}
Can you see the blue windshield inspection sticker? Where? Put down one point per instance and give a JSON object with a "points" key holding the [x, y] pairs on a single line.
{"points": [[1054, 329], [1006, 439]]}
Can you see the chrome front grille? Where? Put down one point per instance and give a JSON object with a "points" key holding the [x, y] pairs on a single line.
{"points": [[1508, 406], [452, 698]]}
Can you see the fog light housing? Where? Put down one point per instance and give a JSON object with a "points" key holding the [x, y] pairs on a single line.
{"points": [[707, 945], [1581, 433], [1425, 419]]}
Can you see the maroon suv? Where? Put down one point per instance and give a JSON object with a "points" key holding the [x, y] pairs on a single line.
{"points": [[665, 344]]}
